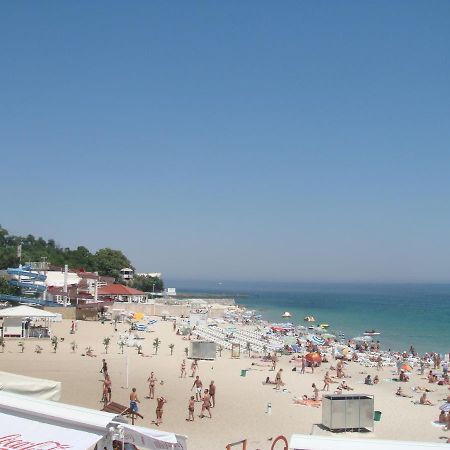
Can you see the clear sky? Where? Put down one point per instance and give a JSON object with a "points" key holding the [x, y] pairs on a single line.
{"points": [[295, 140]]}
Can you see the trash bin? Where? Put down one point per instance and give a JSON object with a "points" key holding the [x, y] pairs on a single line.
{"points": [[243, 373], [377, 416]]}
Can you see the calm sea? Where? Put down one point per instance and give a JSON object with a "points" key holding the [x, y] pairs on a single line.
{"points": [[413, 314]]}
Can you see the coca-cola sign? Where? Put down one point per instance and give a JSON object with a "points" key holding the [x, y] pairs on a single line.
{"points": [[16, 442]]}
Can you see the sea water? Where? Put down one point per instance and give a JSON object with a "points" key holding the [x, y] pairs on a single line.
{"points": [[404, 314]]}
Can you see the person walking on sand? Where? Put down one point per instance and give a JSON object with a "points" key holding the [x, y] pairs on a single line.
{"points": [[274, 361], [183, 369], [134, 401], [206, 405], [194, 367], [159, 410], [198, 388], [212, 393], [106, 390], [326, 382], [278, 380], [191, 409], [104, 368], [151, 385], [303, 364], [315, 392]]}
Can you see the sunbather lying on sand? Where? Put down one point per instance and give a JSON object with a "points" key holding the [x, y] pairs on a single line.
{"points": [[400, 393], [268, 381], [421, 389]]}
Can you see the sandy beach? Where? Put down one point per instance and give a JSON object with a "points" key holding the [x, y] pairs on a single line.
{"points": [[241, 402]]}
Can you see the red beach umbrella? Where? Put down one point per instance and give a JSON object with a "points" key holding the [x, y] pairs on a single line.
{"points": [[313, 357]]}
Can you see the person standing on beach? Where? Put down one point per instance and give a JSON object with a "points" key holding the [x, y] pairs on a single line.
{"points": [[159, 410], [104, 368], [326, 382], [151, 385], [303, 364], [183, 369], [194, 367], [206, 405], [191, 409], [106, 390], [315, 392], [212, 393], [134, 401], [198, 388], [278, 380], [274, 361]]}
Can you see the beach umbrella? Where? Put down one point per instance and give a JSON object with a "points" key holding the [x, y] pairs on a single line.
{"points": [[313, 357], [445, 407], [406, 367], [317, 340]]}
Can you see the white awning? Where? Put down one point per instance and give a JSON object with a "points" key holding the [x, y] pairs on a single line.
{"points": [[18, 432], [27, 311], [309, 442], [151, 439], [33, 387], [57, 413]]}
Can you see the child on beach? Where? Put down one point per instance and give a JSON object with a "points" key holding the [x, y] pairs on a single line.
{"points": [[191, 409]]}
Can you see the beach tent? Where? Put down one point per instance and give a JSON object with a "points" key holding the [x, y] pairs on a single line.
{"points": [[34, 387], [15, 320], [34, 421], [311, 442]]}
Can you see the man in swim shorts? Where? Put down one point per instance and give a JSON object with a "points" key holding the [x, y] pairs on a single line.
{"points": [[198, 388]]}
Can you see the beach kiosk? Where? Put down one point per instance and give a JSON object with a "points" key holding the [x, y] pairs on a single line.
{"points": [[348, 411], [27, 322]]}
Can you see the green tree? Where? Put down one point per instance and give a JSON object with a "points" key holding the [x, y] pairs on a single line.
{"points": [[109, 262], [156, 344], [148, 284], [6, 288], [171, 346]]}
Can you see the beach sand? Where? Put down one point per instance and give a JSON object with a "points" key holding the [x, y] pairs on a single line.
{"points": [[241, 402]]}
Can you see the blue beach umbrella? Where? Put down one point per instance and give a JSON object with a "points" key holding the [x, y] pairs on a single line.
{"points": [[445, 407], [317, 340]]}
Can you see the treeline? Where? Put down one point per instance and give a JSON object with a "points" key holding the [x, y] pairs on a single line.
{"points": [[105, 261]]}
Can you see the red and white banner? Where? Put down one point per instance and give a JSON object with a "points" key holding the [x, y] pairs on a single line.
{"points": [[18, 433]]}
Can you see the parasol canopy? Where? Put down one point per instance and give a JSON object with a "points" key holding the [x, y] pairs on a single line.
{"points": [[318, 340], [445, 407], [406, 367], [313, 357]]}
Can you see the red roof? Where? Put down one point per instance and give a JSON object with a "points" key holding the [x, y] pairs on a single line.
{"points": [[118, 289]]}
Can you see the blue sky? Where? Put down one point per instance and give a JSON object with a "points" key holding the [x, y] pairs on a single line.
{"points": [[232, 140]]}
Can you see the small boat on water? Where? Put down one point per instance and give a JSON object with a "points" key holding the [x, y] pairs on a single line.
{"points": [[371, 333], [286, 314], [309, 319], [324, 325]]}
